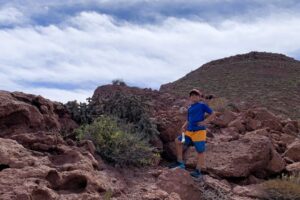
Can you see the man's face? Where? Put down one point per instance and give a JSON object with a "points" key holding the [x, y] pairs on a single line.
{"points": [[194, 98]]}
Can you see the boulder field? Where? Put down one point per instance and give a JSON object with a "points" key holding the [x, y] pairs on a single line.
{"points": [[245, 147]]}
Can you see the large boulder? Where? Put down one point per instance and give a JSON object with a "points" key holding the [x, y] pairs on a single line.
{"points": [[239, 158], [224, 119]]}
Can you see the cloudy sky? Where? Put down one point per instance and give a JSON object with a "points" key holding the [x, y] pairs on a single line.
{"points": [[64, 49]]}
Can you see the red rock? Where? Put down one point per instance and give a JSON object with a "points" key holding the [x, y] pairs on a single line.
{"points": [[224, 119], [253, 124], [252, 191], [294, 168], [290, 128], [276, 164], [293, 151], [180, 182], [287, 139], [21, 112], [228, 134], [88, 145], [272, 124], [238, 124], [260, 132], [238, 158], [220, 185], [263, 114]]}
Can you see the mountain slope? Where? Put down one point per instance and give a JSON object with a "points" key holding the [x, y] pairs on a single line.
{"points": [[267, 79]]}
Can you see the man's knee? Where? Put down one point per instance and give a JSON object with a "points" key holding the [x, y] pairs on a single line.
{"points": [[201, 154]]}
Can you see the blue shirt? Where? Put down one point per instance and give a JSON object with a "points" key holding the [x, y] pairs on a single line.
{"points": [[196, 113]]}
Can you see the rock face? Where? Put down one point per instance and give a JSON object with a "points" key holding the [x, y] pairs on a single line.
{"points": [[245, 146], [37, 163], [21, 112], [239, 158], [35, 175]]}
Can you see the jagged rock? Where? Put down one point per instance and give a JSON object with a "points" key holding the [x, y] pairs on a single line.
{"points": [[287, 139], [272, 124], [293, 151], [224, 119], [276, 164], [291, 128], [252, 191], [220, 185], [238, 124], [295, 167], [21, 112], [30, 174]]}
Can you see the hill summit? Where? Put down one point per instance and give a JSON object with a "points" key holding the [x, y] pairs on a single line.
{"points": [[260, 78]]}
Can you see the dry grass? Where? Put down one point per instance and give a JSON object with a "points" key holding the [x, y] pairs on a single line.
{"points": [[218, 104], [285, 188]]}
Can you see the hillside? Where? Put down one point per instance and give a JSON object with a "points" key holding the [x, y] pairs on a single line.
{"points": [[267, 79]]}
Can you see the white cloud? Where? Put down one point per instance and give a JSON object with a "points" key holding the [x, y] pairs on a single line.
{"points": [[11, 16], [95, 48]]}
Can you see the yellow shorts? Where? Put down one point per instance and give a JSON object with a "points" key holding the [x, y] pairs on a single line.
{"points": [[197, 136]]}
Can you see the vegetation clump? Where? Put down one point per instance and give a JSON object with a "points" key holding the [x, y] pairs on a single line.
{"points": [[116, 145], [284, 188]]}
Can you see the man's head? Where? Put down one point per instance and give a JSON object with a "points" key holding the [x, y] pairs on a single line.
{"points": [[195, 95]]}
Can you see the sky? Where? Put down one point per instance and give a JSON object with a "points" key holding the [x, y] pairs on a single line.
{"points": [[63, 50]]}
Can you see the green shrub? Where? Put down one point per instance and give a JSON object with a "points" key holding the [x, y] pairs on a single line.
{"points": [[131, 109], [119, 82], [285, 188], [115, 144], [80, 112]]}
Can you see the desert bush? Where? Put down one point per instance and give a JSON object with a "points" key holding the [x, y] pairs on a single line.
{"points": [[80, 112], [115, 144], [284, 188], [129, 108], [218, 104], [119, 82]]}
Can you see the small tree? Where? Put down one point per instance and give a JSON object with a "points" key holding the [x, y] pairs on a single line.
{"points": [[119, 82]]}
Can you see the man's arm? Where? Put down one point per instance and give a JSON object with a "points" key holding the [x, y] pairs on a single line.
{"points": [[184, 126]]}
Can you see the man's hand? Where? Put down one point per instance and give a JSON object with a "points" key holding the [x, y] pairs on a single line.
{"points": [[208, 119]]}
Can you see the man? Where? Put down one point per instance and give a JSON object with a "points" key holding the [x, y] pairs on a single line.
{"points": [[195, 132]]}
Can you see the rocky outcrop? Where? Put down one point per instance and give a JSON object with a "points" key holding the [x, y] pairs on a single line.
{"points": [[67, 173], [21, 112]]}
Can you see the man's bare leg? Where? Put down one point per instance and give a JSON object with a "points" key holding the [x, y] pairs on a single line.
{"points": [[201, 161], [179, 150]]}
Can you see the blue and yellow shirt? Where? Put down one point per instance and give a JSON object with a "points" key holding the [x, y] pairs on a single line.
{"points": [[196, 113]]}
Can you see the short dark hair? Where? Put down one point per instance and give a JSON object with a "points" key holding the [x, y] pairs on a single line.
{"points": [[195, 92]]}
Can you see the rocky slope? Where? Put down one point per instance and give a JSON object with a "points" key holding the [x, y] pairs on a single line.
{"points": [[266, 79], [245, 148]]}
